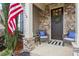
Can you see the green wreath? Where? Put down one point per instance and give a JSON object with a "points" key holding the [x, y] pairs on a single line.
{"points": [[57, 19]]}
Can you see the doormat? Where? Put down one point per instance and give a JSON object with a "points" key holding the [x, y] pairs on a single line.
{"points": [[56, 42]]}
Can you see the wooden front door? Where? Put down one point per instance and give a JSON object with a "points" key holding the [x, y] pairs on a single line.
{"points": [[57, 23]]}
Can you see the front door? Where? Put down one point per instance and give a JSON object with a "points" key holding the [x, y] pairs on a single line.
{"points": [[57, 23]]}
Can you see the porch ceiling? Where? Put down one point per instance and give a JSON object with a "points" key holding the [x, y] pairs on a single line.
{"points": [[43, 5]]}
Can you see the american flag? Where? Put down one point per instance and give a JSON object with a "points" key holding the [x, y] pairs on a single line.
{"points": [[14, 10]]}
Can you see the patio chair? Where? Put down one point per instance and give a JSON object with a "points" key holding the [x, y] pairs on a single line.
{"points": [[43, 35], [70, 37]]}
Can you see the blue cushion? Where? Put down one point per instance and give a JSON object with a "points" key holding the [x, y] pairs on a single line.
{"points": [[42, 33], [71, 35]]}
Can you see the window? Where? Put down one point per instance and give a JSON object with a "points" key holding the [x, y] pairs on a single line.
{"points": [[20, 23]]}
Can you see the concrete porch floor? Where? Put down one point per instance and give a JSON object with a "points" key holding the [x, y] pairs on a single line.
{"points": [[46, 49]]}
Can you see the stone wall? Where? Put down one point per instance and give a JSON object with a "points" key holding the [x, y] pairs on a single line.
{"points": [[45, 22], [69, 17]]}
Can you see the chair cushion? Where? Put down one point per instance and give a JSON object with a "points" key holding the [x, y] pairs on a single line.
{"points": [[43, 37], [69, 39], [42, 33], [71, 35]]}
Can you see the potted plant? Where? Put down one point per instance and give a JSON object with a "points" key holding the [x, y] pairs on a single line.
{"points": [[9, 41]]}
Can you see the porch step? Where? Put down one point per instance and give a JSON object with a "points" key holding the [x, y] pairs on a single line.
{"points": [[56, 42]]}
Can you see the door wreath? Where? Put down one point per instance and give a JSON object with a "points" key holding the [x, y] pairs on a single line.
{"points": [[57, 19]]}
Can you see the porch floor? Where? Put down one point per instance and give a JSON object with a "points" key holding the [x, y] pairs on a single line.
{"points": [[46, 49]]}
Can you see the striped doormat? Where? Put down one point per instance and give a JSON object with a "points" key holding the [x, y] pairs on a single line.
{"points": [[56, 42]]}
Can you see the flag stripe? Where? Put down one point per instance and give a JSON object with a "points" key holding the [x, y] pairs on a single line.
{"points": [[13, 14], [12, 25], [14, 10], [13, 5], [14, 22], [10, 28]]}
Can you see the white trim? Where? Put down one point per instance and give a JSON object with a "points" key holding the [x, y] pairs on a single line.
{"points": [[28, 26], [19, 21], [63, 22], [77, 15], [50, 26]]}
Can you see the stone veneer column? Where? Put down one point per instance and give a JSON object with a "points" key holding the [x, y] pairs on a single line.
{"points": [[77, 23], [27, 24]]}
